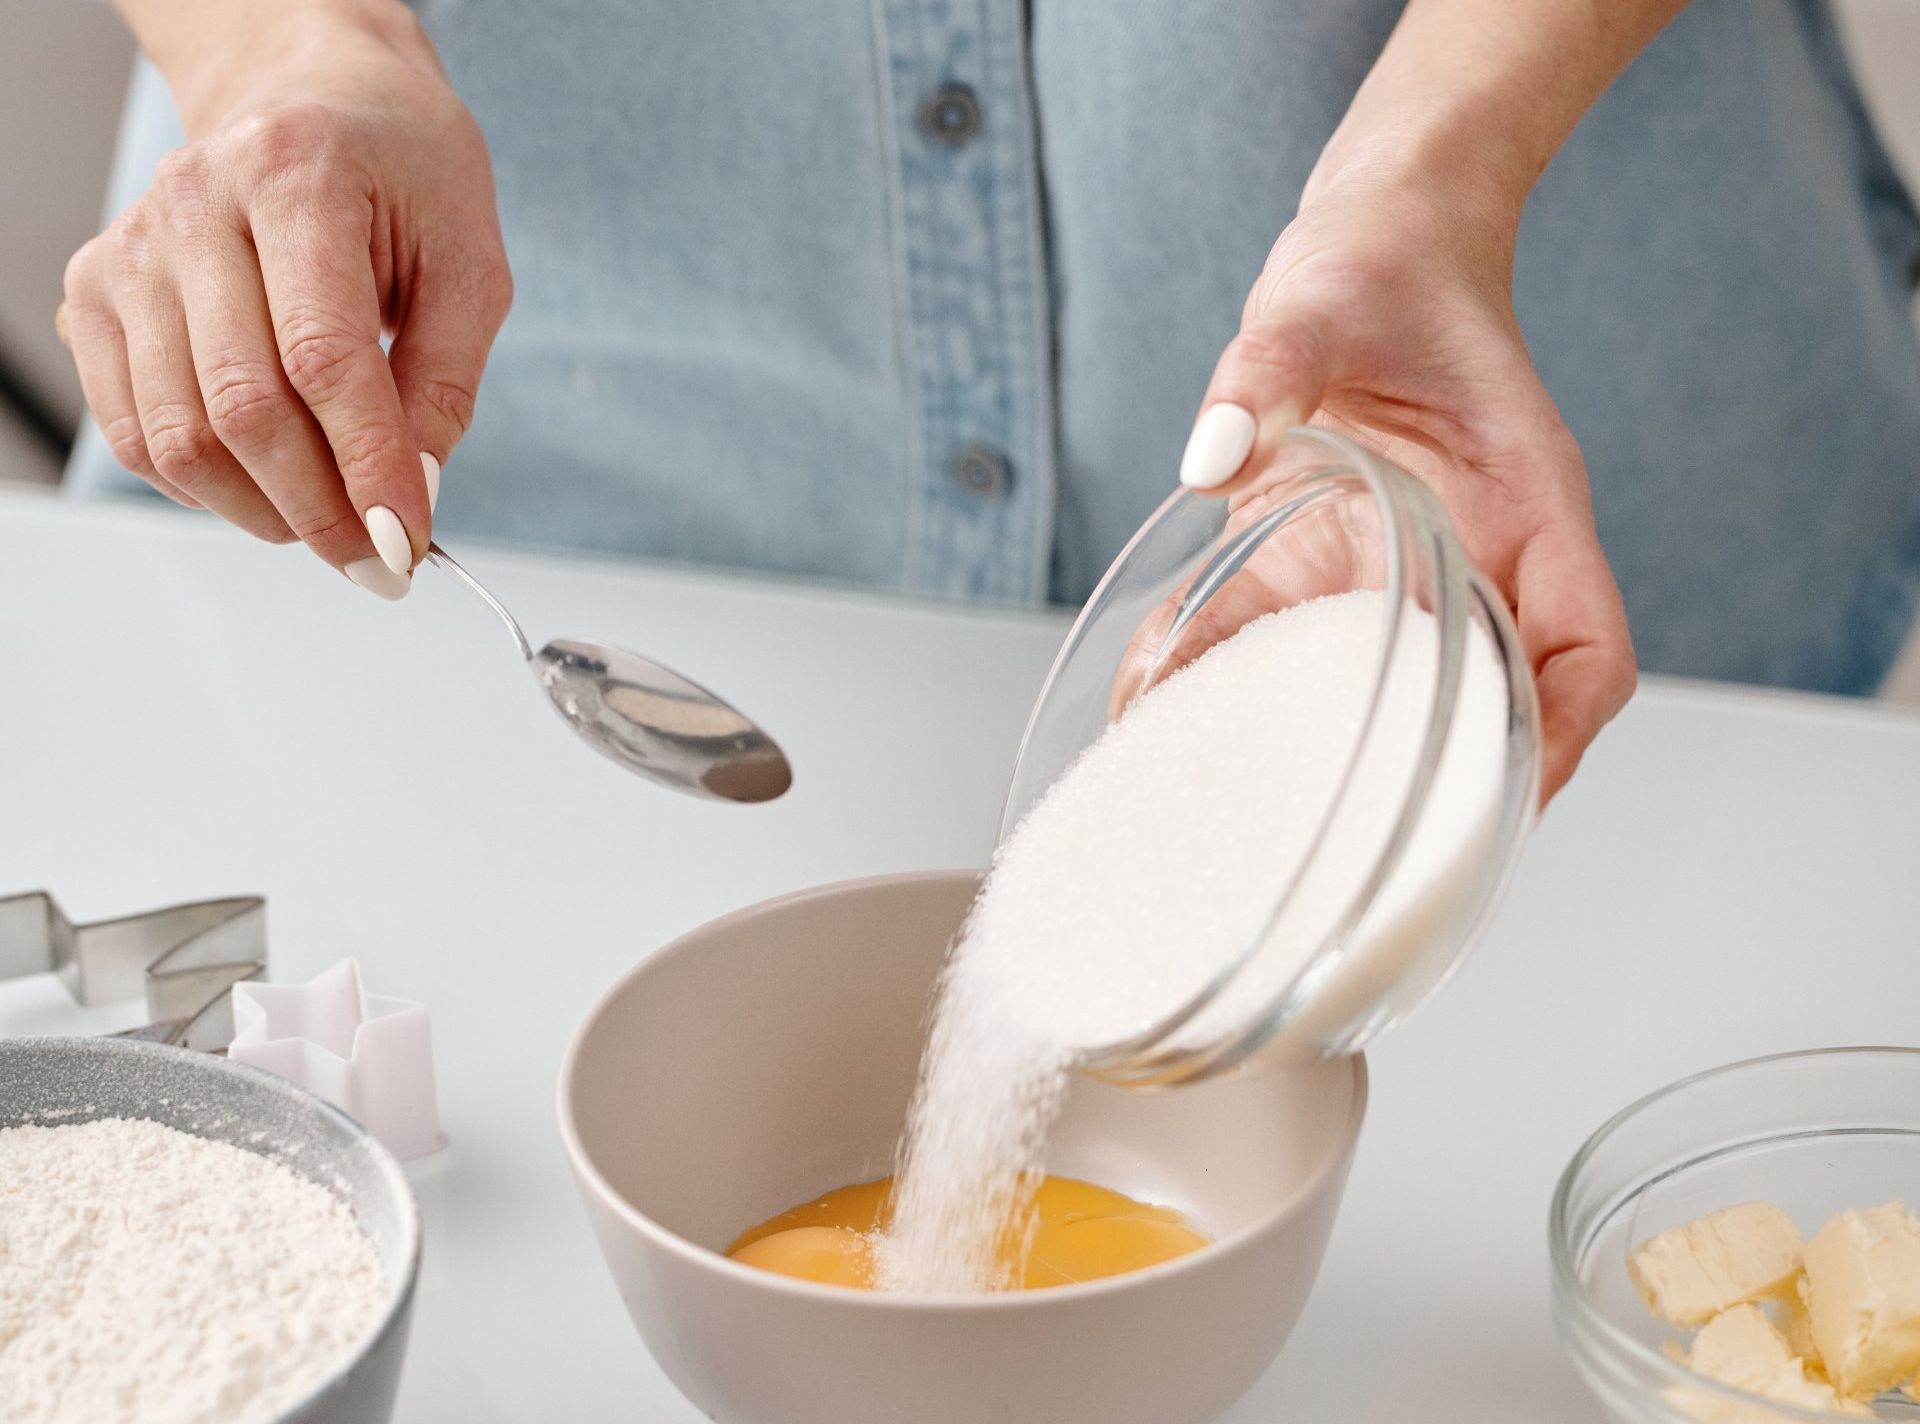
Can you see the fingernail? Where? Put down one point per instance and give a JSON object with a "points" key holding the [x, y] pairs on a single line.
{"points": [[430, 467], [377, 579], [1221, 441], [389, 537]]}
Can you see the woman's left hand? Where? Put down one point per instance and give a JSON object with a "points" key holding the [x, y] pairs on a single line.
{"points": [[1385, 311]]}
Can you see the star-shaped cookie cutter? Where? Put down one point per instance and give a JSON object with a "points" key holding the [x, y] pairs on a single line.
{"points": [[184, 959], [370, 1055]]}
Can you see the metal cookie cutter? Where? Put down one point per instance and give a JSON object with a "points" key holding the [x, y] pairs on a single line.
{"points": [[184, 959]]}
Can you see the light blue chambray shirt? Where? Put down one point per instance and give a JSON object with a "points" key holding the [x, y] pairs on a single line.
{"points": [[923, 294]]}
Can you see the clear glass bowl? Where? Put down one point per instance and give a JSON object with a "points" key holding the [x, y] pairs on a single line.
{"points": [[1326, 517], [1814, 1133]]}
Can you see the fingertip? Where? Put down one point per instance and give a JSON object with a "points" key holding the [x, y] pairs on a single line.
{"points": [[1581, 691], [377, 579], [390, 539], [1222, 439]]}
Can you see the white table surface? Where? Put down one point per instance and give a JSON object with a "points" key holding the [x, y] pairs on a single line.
{"points": [[185, 713]]}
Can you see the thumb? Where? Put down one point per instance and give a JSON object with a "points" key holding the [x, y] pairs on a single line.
{"points": [[437, 357], [1269, 379]]}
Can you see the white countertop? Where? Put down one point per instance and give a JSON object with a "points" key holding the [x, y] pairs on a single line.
{"points": [[186, 713]]}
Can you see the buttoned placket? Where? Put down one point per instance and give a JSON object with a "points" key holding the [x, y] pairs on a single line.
{"points": [[975, 324]]}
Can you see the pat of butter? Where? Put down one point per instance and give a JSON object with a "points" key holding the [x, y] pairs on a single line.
{"points": [[1689, 1274], [1863, 1297], [1796, 1323], [1741, 1348]]}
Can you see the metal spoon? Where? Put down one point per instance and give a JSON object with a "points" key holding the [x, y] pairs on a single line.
{"points": [[648, 718]]}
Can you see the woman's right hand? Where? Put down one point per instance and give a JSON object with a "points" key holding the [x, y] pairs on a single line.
{"points": [[227, 326]]}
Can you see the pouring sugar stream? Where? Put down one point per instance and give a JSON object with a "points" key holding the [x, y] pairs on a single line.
{"points": [[1279, 849]]}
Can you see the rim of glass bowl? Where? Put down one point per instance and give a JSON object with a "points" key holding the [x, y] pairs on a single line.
{"points": [[1562, 1250], [1423, 559]]}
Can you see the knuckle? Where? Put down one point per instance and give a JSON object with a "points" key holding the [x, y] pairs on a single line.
{"points": [[317, 354], [452, 400], [302, 138], [128, 442], [82, 275], [1274, 347], [181, 446], [129, 237], [245, 406], [373, 448], [496, 287], [180, 187], [325, 524], [279, 136]]}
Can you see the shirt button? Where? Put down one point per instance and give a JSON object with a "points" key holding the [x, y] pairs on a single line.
{"points": [[952, 115], [983, 471]]}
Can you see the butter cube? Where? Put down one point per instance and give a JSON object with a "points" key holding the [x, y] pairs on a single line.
{"points": [[1863, 1298], [1796, 1323], [1689, 1274], [1741, 1348]]}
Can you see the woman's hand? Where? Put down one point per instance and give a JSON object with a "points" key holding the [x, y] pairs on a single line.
{"points": [[1385, 312], [227, 326]]}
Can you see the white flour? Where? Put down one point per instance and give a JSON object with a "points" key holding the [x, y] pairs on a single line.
{"points": [[1152, 862], [152, 1277]]}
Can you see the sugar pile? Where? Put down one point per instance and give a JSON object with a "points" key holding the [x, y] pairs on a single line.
{"points": [[152, 1277], [1153, 862]]}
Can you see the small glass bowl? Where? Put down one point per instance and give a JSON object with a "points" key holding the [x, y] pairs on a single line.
{"points": [[1326, 517], [1814, 1133]]}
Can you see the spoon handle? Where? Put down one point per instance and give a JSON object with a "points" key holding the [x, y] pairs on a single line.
{"points": [[439, 556]]}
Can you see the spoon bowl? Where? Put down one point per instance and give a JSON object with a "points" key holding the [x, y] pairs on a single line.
{"points": [[644, 716], [652, 720]]}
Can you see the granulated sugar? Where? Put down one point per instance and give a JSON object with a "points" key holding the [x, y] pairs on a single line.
{"points": [[152, 1277], [1154, 861]]}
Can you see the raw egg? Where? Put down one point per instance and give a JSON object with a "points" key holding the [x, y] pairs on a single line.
{"points": [[1082, 1233]]}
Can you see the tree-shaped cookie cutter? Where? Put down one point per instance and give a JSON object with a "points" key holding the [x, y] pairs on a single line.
{"points": [[183, 959]]}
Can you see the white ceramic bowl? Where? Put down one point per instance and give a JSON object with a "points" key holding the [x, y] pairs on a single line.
{"points": [[768, 1057]]}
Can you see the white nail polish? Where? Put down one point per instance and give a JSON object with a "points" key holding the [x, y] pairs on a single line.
{"points": [[389, 537], [430, 467], [379, 580], [1221, 441]]}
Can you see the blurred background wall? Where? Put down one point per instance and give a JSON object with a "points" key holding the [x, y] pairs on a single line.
{"points": [[63, 67]]}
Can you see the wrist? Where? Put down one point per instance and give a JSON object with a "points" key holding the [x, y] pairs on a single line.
{"points": [[217, 55], [1455, 160], [1434, 184]]}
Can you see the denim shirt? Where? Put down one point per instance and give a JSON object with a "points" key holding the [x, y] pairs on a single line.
{"points": [[923, 294]]}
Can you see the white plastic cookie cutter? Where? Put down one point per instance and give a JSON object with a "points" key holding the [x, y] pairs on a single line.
{"points": [[369, 1055]]}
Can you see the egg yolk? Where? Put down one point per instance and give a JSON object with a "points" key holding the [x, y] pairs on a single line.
{"points": [[1082, 1233]]}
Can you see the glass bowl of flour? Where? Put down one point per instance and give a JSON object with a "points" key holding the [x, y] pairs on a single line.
{"points": [[185, 1240], [1287, 758]]}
